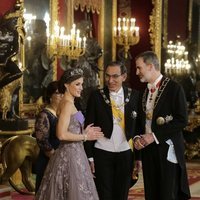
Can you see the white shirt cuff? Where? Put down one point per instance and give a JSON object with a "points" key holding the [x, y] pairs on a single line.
{"points": [[91, 159], [137, 136], [156, 140]]}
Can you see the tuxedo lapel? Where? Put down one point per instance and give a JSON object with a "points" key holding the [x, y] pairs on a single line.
{"points": [[161, 96], [107, 106], [126, 107]]}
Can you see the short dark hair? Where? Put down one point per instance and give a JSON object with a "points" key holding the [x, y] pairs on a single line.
{"points": [[149, 57], [69, 76], [50, 90], [123, 68]]}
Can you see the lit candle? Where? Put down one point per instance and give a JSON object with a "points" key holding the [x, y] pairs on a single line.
{"points": [[119, 21], [137, 31], [73, 31], [79, 42], [127, 23], [56, 29], [125, 30], [133, 22], [124, 21], [119, 30], [77, 33], [62, 30], [29, 41], [84, 42]]}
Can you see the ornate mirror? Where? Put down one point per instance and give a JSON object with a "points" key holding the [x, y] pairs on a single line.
{"points": [[38, 68]]}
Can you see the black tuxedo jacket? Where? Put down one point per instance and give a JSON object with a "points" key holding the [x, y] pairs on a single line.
{"points": [[100, 113], [170, 101]]}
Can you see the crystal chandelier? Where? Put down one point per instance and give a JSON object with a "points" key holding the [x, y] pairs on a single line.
{"points": [[177, 62], [71, 45], [126, 33]]}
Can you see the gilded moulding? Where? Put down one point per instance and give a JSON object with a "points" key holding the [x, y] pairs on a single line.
{"points": [[165, 24], [114, 23], [190, 20], [155, 28], [20, 56], [54, 8], [101, 43]]}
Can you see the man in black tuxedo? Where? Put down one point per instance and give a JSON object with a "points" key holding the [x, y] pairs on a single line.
{"points": [[163, 116], [113, 108]]}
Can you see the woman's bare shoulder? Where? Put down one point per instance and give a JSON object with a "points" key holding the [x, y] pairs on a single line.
{"points": [[65, 106]]}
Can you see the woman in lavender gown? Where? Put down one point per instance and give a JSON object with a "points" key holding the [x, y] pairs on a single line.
{"points": [[68, 175]]}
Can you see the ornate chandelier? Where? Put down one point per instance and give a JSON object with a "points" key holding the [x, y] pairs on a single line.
{"points": [[71, 45], [177, 63], [126, 33]]}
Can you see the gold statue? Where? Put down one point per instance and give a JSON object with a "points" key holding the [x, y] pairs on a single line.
{"points": [[6, 94], [19, 152]]}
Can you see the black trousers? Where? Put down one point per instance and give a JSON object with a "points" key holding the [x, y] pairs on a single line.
{"points": [[113, 174], [161, 177]]}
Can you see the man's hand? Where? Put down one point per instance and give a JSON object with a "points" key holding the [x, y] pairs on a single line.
{"points": [[147, 138], [92, 167], [144, 140], [49, 153], [139, 142]]}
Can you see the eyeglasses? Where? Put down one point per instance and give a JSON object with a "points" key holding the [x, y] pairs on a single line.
{"points": [[114, 76]]}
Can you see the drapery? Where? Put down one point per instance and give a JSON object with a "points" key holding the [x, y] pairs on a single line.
{"points": [[6, 6], [88, 5]]}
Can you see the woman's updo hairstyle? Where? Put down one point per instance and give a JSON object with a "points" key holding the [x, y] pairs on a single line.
{"points": [[50, 90], [69, 76]]}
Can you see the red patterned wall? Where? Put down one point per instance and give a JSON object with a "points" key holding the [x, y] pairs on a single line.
{"points": [[177, 19], [141, 11], [6, 5]]}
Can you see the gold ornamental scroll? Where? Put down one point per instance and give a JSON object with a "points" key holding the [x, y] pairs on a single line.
{"points": [[155, 28]]}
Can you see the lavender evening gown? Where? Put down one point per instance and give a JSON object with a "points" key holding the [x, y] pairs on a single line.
{"points": [[68, 175]]}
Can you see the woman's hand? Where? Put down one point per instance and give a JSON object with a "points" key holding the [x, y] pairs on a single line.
{"points": [[93, 132], [49, 153]]}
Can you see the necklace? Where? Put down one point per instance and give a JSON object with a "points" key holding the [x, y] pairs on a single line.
{"points": [[152, 90], [107, 101], [160, 91]]}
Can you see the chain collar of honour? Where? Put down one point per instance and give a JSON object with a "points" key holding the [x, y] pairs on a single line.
{"points": [[160, 91], [107, 101]]}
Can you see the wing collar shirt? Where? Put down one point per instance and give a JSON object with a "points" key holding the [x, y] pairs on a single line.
{"points": [[117, 142]]}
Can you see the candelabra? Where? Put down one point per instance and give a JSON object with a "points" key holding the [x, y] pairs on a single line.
{"points": [[177, 63], [71, 45], [126, 33]]}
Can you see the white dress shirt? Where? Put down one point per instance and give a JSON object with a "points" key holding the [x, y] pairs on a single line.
{"points": [[117, 142]]}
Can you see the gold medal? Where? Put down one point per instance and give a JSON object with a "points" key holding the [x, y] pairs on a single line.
{"points": [[160, 121], [149, 115]]}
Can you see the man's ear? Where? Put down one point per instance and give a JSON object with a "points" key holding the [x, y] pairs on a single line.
{"points": [[150, 66], [124, 76]]}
